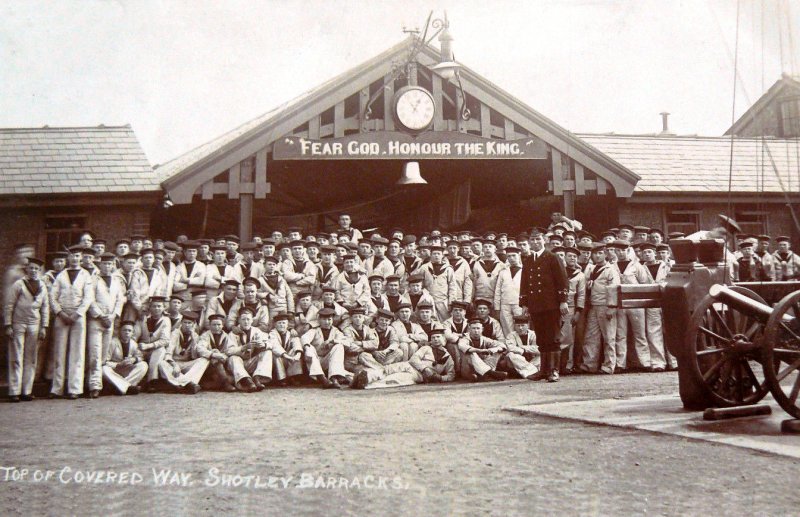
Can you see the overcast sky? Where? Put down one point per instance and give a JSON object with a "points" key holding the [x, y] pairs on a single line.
{"points": [[184, 72]]}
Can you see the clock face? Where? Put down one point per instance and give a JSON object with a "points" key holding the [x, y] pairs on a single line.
{"points": [[414, 108]]}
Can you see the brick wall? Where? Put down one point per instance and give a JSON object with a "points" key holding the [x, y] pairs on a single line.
{"points": [[28, 225], [778, 219]]}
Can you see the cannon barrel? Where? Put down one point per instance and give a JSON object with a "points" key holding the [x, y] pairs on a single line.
{"points": [[740, 302]]}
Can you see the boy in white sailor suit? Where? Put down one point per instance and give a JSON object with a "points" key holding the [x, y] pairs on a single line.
{"points": [[491, 327], [109, 297], [787, 263], [659, 357], [210, 346], [345, 228], [124, 366], [351, 285], [251, 357], [154, 335], [486, 271], [395, 258], [27, 316], [323, 348], [218, 271], [179, 367], [576, 301], [223, 303], [388, 349], [440, 282], [377, 299], [136, 287], [506, 293], [274, 290], [522, 352], [299, 272], [409, 334], [156, 285], [631, 271], [281, 337], [305, 313], [191, 272], [341, 318], [417, 295], [461, 270], [70, 298], [360, 340], [326, 270], [456, 329], [481, 354], [601, 322], [378, 264], [260, 310]]}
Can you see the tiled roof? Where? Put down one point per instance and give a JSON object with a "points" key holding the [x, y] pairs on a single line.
{"points": [[701, 164], [73, 160]]}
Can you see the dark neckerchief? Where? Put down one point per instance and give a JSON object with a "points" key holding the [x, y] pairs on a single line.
{"points": [[189, 268], [325, 333], [272, 280], [383, 339], [437, 269], [414, 299], [488, 266], [126, 347], [427, 328], [149, 273], [407, 325], [596, 271], [378, 301], [353, 277], [488, 328], [33, 286], [463, 326], [514, 270], [73, 274], [394, 301], [107, 280], [227, 304], [653, 268], [623, 265], [784, 255], [440, 355]]}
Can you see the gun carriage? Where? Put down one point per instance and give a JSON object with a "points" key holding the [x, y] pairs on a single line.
{"points": [[734, 343]]}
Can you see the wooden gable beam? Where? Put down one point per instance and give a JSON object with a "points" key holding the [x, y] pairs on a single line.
{"points": [[622, 186]]}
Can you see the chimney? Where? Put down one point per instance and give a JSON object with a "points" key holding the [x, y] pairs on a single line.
{"points": [[665, 125]]}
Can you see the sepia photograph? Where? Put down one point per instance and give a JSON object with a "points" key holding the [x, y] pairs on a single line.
{"points": [[353, 257]]}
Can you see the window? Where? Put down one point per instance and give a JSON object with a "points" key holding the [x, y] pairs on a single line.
{"points": [[790, 118], [686, 221], [61, 232], [753, 222]]}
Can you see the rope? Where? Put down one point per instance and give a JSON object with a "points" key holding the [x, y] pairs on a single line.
{"points": [[730, 158]]}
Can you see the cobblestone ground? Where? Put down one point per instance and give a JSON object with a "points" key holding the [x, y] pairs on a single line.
{"points": [[444, 450]]}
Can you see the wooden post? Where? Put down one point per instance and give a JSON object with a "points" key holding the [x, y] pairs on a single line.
{"points": [[569, 193], [246, 203], [388, 97]]}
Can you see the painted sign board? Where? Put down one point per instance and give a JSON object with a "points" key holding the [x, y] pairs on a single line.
{"points": [[393, 145]]}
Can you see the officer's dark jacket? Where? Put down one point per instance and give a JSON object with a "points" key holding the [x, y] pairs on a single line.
{"points": [[544, 283]]}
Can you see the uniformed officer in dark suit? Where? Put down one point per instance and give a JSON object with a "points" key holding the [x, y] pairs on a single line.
{"points": [[544, 290]]}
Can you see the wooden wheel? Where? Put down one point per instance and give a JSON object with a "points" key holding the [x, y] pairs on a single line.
{"points": [[782, 353], [724, 352]]}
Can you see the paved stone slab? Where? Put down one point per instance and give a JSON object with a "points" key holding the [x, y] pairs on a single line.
{"points": [[665, 414]]}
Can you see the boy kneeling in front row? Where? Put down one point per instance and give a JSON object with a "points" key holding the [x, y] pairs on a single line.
{"points": [[124, 367]]}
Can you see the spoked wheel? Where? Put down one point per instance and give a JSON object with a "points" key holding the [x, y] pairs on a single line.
{"points": [[782, 353], [725, 352]]}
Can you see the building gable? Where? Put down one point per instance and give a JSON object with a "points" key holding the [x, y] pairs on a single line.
{"points": [[360, 101]]}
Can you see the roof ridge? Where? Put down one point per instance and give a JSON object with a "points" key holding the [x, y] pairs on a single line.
{"points": [[656, 136], [64, 128]]}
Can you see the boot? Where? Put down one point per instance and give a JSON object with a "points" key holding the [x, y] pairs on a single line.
{"points": [[223, 381], [544, 370], [553, 364]]}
